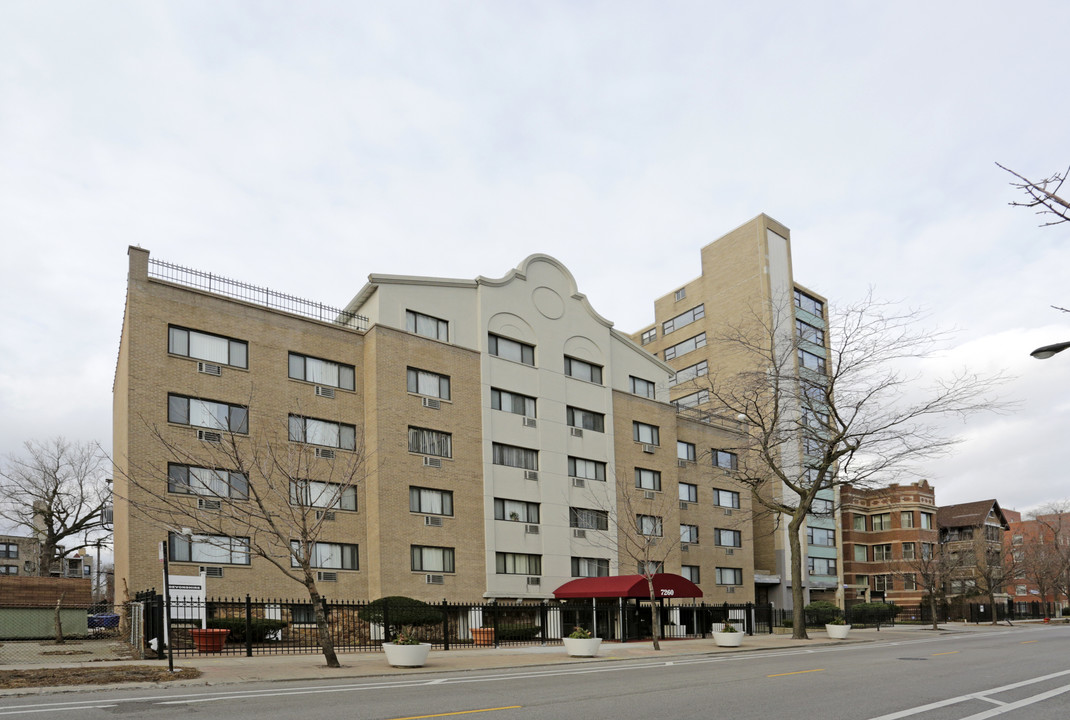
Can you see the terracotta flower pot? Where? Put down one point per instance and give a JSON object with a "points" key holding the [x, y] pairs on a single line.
{"points": [[210, 640], [483, 637]]}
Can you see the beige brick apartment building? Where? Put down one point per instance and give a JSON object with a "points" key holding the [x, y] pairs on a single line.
{"points": [[502, 426]]}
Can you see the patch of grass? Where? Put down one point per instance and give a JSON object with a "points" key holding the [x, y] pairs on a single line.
{"points": [[110, 675]]}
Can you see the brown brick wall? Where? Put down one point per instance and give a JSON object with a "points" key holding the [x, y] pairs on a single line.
{"points": [[44, 592]]}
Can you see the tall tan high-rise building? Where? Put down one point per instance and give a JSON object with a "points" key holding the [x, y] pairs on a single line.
{"points": [[511, 439], [746, 282]]}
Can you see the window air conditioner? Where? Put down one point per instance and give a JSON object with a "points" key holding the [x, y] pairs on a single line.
{"points": [[684, 547], [648, 448], [579, 482], [531, 529], [432, 521], [325, 392], [432, 462], [325, 515], [681, 463], [576, 432], [730, 589], [531, 475], [729, 551], [684, 504], [648, 495], [209, 436], [534, 581], [579, 533], [530, 422], [435, 579], [209, 369], [207, 504], [432, 403], [727, 511], [325, 453], [327, 576], [216, 572]]}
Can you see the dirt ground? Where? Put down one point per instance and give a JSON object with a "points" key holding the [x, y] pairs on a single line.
{"points": [[108, 675]]}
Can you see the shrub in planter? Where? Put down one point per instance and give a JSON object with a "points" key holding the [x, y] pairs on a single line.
{"points": [[262, 628], [1066, 612], [399, 611], [821, 612], [871, 613], [518, 633]]}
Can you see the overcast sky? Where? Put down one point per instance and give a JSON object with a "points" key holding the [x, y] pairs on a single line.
{"points": [[302, 146]]}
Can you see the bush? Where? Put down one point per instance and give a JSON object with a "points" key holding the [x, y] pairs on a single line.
{"points": [[262, 629], [868, 613], [1066, 612], [518, 632], [821, 612], [399, 610]]}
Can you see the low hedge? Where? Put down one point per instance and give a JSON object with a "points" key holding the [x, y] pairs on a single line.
{"points": [[263, 629], [518, 632]]}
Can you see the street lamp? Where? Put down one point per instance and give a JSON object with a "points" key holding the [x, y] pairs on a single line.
{"points": [[1043, 353]]}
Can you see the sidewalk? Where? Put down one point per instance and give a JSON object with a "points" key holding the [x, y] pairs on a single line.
{"points": [[224, 670]]}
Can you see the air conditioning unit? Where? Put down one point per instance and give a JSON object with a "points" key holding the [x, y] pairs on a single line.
{"points": [[576, 432], [432, 521], [579, 482], [216, 572], [325, 515], [534, 581], [326, 392], [727, 511], [730, 589], [648, 495], [206, 504], [684, 504], [209, 369], [432, 462], [681, 463], [325, 453], [684, 547], [647, 448], [729, 551], [531, 475], [432, 403], [579, 533], [209, 436], [435, 579], [531, 529], [530, 422], [327, 576]]}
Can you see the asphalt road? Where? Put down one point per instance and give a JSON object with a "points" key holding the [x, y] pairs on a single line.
{"points": [[1018, 673]]}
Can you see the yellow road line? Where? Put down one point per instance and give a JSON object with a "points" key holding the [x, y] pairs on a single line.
{"points": [[459, 712], [1026, 642], [797, 672], [947, 653]]}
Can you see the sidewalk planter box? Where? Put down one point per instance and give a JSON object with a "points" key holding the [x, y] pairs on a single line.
{"points": [[582, 647], [838, 632], [728, 639], [483, 637], [406, 655], [210, 640]]}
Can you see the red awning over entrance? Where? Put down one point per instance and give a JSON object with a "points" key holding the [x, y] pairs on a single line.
{"points": [[666, 585]]}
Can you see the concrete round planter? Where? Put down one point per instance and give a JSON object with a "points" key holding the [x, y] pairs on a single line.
{"points": [[838, 632], [728, 639], [582, 647], [406, 655]]}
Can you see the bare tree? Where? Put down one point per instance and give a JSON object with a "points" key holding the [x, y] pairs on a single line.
{"points": [[273, 500], [930, 570], [1044, 196], [1053, 521], [818, 415], [57, 493]]}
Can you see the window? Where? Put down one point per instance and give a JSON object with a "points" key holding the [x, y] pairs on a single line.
{"points": [[729, 576], [192, 480], [329, 556], [882, 553], [811, 362], [724, 459], [516, 510], [810, 304], [583, 370], [926, 521], [813, 446], [683, 319], [726, 498], [685, 450], [432, 559], [910, 582], [209, 414], [322, 372], [303, 614], [311, 493], [641, 387], [517, 457], [680, 294], [648, 434], [908, 551], [590, 567], [906, 519], [648, 336], [511, 349], [587, 519], [882, 583], [430, 442], [683, 348], [648, 525], [809, 333], [517, 564], [9, 550], [323, 432], [821, 506], [927, 551], [430, 501], [586, 469], [650, 567], [209, 549], [821, 537], [882, 521], [1017, 539], [1019, 589], [210, 348], [512, 402], [862, 580], [427, 326], [422, 382], [9, 569], [688, 492], [692, 400], [647, 479], [585, 419], [689, 533], [861, 553], [691, 372], [859, 522], [821, 566], [727, 538], [690, 572]]}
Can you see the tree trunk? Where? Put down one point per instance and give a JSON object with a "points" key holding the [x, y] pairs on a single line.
{"points": [[798, 595], [59, 621], [655, 614], [322, 629], [932, 610]]}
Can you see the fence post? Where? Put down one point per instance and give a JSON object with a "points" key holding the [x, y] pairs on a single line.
{"points": [[494, 620], [750, 618], [445, 625], [544, 620], [386, 622], [248, 626], [157, 627]]}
